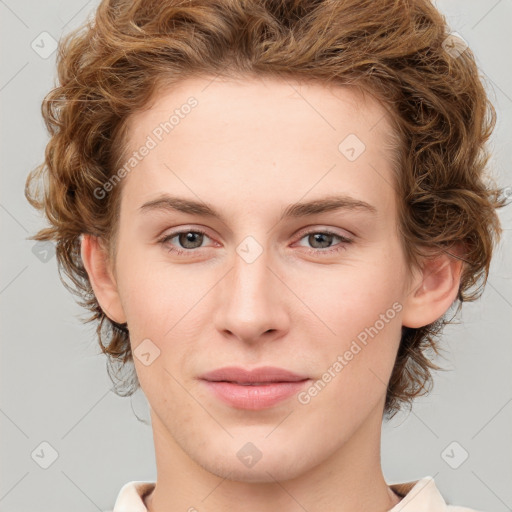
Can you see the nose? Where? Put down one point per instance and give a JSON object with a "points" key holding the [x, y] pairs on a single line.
{"points": [[252, 301]]}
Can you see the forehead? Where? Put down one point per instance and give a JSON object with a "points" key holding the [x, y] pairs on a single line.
{"points": [[256, 134], [244, 101]]}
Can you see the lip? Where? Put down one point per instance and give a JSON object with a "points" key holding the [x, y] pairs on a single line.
{"points": [[255, 389], [264, 374]]}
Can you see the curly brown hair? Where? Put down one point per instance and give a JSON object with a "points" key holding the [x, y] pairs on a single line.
{"points": [[396, 50]]}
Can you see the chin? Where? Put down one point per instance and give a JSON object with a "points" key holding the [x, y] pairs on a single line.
{"points": [[262, 472], [260, 461]]}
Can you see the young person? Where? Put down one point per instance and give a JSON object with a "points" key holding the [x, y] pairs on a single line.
{"points": [[269, 208]]}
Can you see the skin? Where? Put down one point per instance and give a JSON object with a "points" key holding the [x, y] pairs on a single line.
{"points": [[250, 148]]}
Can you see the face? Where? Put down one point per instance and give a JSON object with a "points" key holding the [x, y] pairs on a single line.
{"points": [[251, 279]]}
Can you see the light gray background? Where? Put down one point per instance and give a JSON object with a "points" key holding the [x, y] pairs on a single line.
{"points": [[54, 384]]}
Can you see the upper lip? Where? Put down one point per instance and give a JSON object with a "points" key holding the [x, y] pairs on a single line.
{"points": [[261, 374]]}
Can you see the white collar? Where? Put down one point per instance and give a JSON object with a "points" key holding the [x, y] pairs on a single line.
{"points": [[419, 496]]}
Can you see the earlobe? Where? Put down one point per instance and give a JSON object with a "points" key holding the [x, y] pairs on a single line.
{"points": [[433, 291], [95, 260]]}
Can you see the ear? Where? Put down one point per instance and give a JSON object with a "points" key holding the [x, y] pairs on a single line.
{"points": [[103, 282], [433, 290]]}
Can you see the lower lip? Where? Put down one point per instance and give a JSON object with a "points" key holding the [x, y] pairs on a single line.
{"points": [[254, 397]]}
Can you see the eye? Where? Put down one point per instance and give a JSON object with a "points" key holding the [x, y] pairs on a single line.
{"points": [[189, 239], [322, 242]]}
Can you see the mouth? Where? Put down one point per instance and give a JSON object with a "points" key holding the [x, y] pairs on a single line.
{"points": [[252, 383], [256, 389], [257, 376]]}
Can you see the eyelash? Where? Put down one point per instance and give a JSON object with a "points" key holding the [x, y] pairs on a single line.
{"points": [[341, 247]]}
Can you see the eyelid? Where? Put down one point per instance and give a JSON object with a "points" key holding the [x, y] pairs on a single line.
{"points": [[186, 229], [327, 230], [303, 232], [308, 230], [334, 250]]}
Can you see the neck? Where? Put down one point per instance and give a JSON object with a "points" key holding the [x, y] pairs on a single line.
{"points": [[350, 480]]}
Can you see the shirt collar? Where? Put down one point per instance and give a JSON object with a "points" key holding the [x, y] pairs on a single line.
{"points": [[420, 496]]}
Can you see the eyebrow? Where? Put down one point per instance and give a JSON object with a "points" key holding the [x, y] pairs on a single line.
{"points": [[296, 210]]}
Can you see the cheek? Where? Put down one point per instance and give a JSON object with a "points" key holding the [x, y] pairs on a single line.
{"points": [[361, 306], [154, 293], [167, 304], [356, 365], [349, 299]]}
